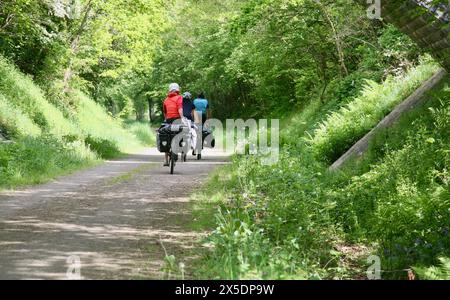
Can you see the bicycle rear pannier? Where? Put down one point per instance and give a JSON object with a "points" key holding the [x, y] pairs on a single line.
{"points": [[163, 141], [208, 139]]}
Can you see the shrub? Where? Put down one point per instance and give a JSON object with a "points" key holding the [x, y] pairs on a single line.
{"points": [[104, 148]]}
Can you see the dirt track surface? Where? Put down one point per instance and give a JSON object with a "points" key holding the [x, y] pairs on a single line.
{"points": [[117, 218]]}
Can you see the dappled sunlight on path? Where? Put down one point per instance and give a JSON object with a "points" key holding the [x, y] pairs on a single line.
{"points": [[117, 218]]}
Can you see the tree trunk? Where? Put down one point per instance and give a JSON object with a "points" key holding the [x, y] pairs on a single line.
{"points": [[139, 115], [337, 40], [150, 109], [74, 46], [324, 74]]}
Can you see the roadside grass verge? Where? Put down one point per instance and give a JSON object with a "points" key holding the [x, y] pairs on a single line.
{"points": [[297, 220], [14, 123], [95, 122], [143, 131], [34, 160], [44, 140], [206, 201]]}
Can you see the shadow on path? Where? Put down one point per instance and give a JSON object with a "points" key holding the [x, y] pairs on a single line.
{"points": [[113, 217]]}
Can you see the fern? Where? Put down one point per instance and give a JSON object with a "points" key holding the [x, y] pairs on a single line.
{"points": [[440, 272]]}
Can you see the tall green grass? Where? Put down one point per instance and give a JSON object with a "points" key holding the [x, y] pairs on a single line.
{"points": [[295, 219], [142, 131], [20, 91], [399, 195], [32, 160], [344, 127], [95, 122], [45, 142], [439, 272], [14, 123]]}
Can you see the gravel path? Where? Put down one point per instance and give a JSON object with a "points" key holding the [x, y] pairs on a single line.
{"points": [[116, 218]]}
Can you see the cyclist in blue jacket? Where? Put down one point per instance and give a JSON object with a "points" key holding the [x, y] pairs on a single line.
{"points": [[202, 107]]}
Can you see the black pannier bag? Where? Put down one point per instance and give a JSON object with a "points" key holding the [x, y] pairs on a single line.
{"points": [[164, 136], [163, 142], [208, 139]]}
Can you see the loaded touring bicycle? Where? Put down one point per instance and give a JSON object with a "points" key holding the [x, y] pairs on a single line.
{"points": [[176, 139]]}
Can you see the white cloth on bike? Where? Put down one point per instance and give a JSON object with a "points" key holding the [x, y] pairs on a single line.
{"points": [[192, 132]]}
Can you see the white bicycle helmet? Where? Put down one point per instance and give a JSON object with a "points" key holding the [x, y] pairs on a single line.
{"points": [[187, 95], [174, 87]]}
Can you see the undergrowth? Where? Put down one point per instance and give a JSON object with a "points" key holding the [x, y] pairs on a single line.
{"points": [[296, 219], [45, 140]]}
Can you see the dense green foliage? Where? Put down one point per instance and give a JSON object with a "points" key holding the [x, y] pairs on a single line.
{"points": [[105, 48], [43, 141], [343, 128], [73, 75], [331, 75], [441, 272], [31, 160], [384, 204], [141, 131], [72, 52], [244, 54], [266, 57]]}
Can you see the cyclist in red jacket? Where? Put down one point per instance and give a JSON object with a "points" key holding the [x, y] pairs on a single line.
{"points": [[173, 105], [172, 109]]}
